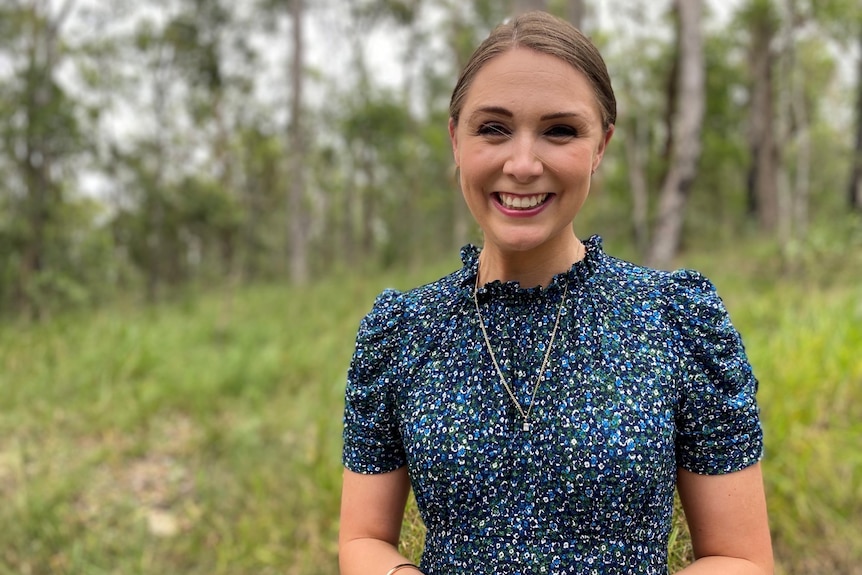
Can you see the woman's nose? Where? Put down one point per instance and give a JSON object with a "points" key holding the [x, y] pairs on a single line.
{"points": [[523, 164]]}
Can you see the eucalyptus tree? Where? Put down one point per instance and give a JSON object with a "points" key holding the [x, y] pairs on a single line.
{"points": [[210, 43], [41, 135], [807, 71], [854, 186], [187, 71], [639, 66], [151, 155], [842, 20], [393, 157], [293, 16], [687, 99], [761, 20], [790, 76], [297, 239], [364, 118]]}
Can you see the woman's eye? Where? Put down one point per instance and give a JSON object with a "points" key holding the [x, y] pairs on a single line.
{"points": [[562, 132], [493, 130]]}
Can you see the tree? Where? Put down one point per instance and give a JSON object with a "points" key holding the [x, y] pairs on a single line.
{"points": [[686, 110], [804, 68], [844, 20], [146, 160], [177, 170], [202, 36], [641, 61], [854, 187], [841, 20], [297, 151], [761, 21], [41, 135]]}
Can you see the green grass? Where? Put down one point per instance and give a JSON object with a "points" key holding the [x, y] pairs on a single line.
{"points": [[203, 436], [808, 354]]}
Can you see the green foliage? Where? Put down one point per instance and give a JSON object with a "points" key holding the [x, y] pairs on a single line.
{"points": [[760, 15], [194, 186], [843, 18]]}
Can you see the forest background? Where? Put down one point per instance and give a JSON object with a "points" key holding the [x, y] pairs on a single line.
{"points": [[200, 199]]}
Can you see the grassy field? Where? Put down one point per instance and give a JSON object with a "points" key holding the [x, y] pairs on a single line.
{"points": [[203, 436]]}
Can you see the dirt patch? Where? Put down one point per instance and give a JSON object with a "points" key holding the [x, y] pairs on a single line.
{"points": [[157, 486]]}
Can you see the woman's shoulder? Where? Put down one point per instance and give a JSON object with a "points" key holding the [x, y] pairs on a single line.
{"points": [[683, 299], [624, 277], [394, 308]]}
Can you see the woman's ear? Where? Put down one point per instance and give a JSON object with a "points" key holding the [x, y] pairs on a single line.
{"points": [[603, 145], [453, 138]]}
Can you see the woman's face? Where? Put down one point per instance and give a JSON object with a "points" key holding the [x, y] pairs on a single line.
{"points": [[528, 139]]}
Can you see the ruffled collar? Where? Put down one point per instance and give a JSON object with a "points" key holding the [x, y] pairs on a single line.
{"points": [[578, 273]]}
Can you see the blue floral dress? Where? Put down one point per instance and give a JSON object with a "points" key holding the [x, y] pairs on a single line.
{"points": [[646, 375]]}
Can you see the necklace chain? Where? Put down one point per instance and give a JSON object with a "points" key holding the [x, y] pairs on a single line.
{"points": [[525, 415]]}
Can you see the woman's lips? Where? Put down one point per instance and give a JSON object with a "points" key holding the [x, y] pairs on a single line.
{"points": [[520, 202], [521, 205]]}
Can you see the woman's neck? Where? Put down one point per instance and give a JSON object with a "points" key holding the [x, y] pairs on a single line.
{"points": [[530, 268]]}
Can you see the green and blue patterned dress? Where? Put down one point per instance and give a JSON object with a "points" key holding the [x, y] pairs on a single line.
{"points": [[646, 375]]}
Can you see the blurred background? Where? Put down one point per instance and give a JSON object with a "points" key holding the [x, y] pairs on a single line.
{"points": [[199, 199]]}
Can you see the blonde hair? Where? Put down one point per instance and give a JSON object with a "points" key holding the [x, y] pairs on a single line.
{"points": [[546, 34]]}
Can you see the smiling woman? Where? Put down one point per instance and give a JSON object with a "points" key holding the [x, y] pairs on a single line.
{"points": [[544, 401], [525, 161]]}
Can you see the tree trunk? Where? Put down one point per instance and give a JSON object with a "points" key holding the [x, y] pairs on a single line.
{"points": [[370, 200], [854, 190], [462, 221], [686, 125], [800, 191], [38, 180], [42, 190], [638, 186], [763, 174], [413, 247], [155, 240], [297, 224], [802, 181], [352, 213]]}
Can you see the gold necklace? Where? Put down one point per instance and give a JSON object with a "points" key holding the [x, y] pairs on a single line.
{"points": [[525, 415]]}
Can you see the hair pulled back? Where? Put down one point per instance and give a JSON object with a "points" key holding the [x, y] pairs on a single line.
{"points": [[546, 34]]}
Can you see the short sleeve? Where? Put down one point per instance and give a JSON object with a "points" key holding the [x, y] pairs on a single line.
{"points": [[717, 423], [372, 441]]}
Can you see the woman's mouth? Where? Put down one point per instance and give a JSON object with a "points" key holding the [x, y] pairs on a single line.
{"points": [[520, 202]]}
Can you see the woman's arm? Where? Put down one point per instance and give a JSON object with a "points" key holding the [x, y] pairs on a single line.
{"points": [[727, 517], [372, 509]]}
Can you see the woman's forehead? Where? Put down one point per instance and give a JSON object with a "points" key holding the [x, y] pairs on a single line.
{"points": [[524, 78]]}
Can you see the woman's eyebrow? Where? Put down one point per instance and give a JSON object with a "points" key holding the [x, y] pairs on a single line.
{"points": [[500, 111], [558, 115]]}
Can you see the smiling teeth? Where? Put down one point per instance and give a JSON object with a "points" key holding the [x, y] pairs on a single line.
{"points": [[516, 202]]}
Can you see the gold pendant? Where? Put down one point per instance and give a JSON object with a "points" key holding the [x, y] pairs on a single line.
{"points": [[526, 426]]}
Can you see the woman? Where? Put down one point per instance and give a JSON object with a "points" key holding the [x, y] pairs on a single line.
{"points": [[545, 400]]}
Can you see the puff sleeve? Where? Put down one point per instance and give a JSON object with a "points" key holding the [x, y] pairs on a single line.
{"points": [[372, 441], [717, 421]]}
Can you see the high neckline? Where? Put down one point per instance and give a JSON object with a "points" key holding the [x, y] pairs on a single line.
{"points": [[578, 273]]}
